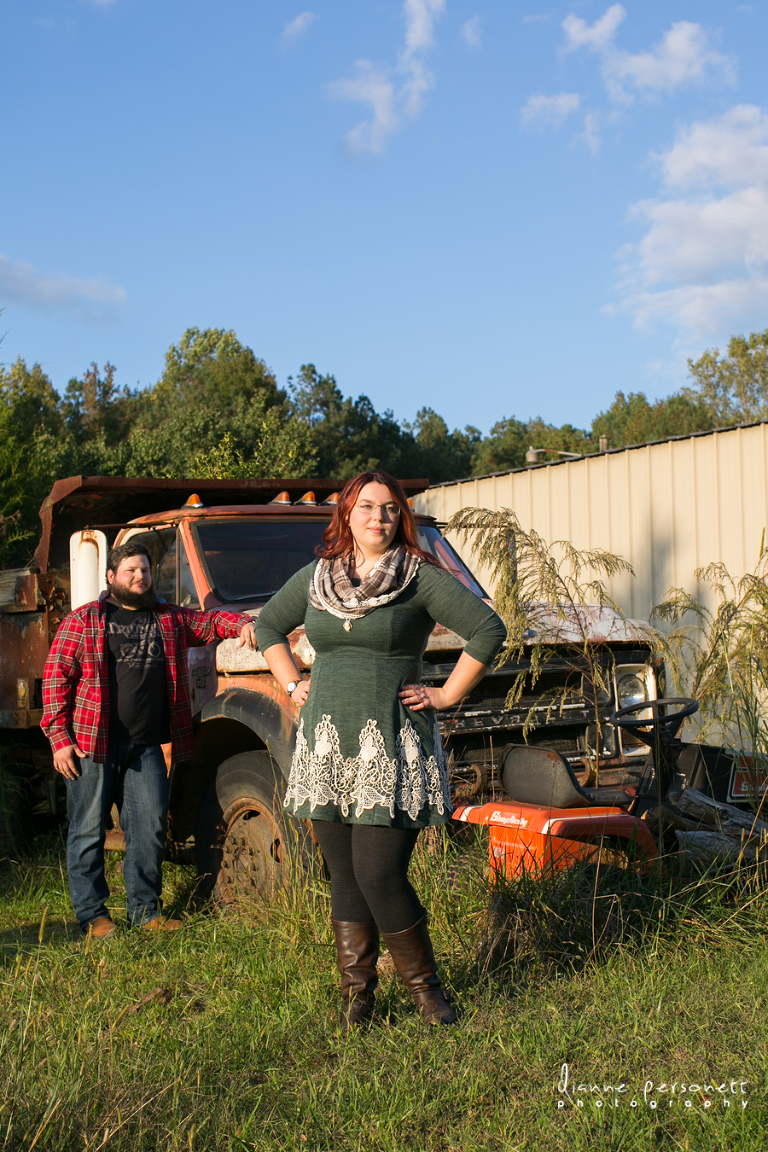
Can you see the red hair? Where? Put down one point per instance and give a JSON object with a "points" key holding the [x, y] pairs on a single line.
{"points": [[338, 535]]}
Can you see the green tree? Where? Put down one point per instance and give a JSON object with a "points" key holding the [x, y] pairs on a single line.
{"points": [[503, 448], [275, 454], [733, 387], [212, 366], [32, 403], [510, 439], [35, 449], [349, 436], [444, 455], [273, 443], [95, 408], [99, 417], [15, 529], [633, 419], [215, 391]]}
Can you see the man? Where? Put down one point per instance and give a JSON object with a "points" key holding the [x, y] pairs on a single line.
{"points": [[115, 688]]}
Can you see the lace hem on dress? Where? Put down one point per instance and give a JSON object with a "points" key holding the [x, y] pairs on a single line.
{"points": [[410, 782]]}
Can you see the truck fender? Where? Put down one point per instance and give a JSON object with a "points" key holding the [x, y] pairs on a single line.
{"points": [[263, 715]]}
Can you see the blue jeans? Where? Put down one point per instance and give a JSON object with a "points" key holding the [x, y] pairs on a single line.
{"points": [[133, 777]]}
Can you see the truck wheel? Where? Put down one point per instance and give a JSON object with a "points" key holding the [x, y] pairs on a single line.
{"points": [[244, 843], [16, 817]]}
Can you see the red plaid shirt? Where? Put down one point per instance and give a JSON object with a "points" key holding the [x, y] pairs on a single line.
{"points": [[76, 677]]}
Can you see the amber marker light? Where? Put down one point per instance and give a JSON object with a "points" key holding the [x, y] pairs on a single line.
{"points": [[282, 498], [309, 499], [194, 501], [333, 499]]}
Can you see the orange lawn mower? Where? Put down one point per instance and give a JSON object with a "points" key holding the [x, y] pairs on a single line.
{"points": [[546, 819]]}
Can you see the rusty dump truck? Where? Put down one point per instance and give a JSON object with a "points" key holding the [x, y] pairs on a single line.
{"points": [[232, 544]]}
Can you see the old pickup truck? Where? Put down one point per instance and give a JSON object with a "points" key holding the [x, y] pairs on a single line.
{"points": [[233, 543]]}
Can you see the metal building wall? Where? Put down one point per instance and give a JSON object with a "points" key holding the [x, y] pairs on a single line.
{"points": [[668, 508]]}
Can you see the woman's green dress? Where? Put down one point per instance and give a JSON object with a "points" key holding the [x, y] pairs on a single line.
{"points": [[362, 757]]}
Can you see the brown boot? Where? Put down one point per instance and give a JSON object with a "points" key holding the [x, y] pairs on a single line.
{"points": [[162, 924], [415, 961], [101, 928], [357, 949]]}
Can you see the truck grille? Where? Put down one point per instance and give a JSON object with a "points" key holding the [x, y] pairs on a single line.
{"points": [[475, 732]]}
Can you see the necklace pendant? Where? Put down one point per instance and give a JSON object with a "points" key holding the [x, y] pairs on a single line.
{"points": [[347, 625]]}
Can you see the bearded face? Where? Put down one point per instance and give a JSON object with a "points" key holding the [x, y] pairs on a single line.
{"points": [[128, 599], [131, 584]]}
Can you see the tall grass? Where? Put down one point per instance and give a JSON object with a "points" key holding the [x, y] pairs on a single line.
{"points": [[719, 655], [554, 601], [223, 1036]]}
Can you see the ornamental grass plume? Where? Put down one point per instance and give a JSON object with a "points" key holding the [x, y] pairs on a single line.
{"points": [[555, 604], [718, 655]]}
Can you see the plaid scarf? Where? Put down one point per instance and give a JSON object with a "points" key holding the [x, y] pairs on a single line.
{"points": [[332, 591]]}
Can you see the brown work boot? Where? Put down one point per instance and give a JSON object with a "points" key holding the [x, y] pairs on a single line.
{"points": [[357, 949], [101, 928], [415, 961], [162, 924]]}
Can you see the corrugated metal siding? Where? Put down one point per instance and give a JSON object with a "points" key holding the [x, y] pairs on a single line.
{"points": [[668, 508]]}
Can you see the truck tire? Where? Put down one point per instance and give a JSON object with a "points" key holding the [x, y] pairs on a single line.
{"points": [[246, 847], [16, 816]]}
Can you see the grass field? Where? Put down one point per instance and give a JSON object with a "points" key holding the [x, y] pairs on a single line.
{"points": [[223, 1036]]}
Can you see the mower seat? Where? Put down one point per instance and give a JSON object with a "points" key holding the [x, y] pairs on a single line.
{"points": [[533, 775]]}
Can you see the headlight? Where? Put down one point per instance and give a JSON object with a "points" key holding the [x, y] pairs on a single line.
{"points": [[631, 690]]}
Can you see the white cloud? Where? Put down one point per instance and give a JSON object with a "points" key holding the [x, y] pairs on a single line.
{"points": [[471, 32], [591, 133], [21, 283], [372, 86], [702, 264], [294, 28], [420, 16], [392, 92], [598, 36], [684, 55], [729, 151], [694, 239], [708, 313], [549, 110]]}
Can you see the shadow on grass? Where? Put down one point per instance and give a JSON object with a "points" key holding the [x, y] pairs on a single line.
{"points": [[26, 937]]}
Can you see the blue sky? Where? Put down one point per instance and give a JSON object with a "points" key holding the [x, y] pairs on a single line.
{"points": [[489, 207]]}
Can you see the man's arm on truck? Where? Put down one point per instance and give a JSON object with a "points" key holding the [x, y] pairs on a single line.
{"points": [[217, 624], [60, 676]]}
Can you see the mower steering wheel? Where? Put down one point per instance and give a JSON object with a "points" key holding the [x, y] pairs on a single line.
{"points": [[667, 727]]}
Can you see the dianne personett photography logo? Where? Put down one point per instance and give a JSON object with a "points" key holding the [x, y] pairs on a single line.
{"points": [[681, 1092]]}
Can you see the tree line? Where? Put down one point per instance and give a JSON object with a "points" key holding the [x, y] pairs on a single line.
{"points": [[218, 410]]}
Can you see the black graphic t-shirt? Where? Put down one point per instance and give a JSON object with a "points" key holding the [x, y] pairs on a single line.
{"points": [[137, 691]]}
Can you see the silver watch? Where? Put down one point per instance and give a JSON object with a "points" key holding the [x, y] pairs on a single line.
{"points": [[291, 688]]}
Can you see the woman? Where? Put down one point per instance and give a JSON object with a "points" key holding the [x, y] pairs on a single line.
{"points": [[369, 768]]}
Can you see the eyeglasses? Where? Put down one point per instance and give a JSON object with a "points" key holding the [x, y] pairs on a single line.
{"points": [[367, 509]]}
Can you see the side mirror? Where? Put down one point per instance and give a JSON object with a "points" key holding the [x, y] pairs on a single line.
{"points": [[87, 565]]}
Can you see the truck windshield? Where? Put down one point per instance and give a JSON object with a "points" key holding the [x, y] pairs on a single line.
{"points": [[252, 559]]}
